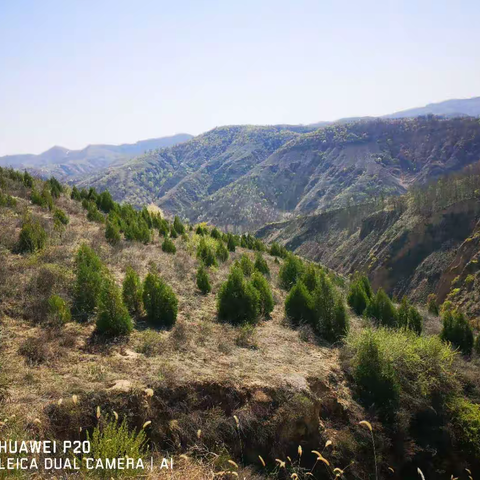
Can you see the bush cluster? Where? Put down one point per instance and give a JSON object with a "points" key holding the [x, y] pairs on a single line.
{"points": [[159, 301], [32, 236], [458, 331]]}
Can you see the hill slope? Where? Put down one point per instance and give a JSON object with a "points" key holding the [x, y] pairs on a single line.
{"points": [[244, 177], [64, 163]]}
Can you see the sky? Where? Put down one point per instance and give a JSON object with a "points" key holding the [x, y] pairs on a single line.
{"points": [[80, 72]]}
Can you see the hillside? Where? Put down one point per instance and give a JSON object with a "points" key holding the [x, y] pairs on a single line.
{"points": [[244, 177], [420, 244], [66, 164], [81, 279], [448, 108]]}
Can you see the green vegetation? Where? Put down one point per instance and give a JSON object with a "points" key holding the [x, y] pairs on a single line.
{"points": [[299, 305], [90, 275], [160, 301], [266, 302], [396, 369], [168, 246], [458, 331], [359, 294], [246, 265], [381, 310], [222, 252], [32, 236], [113, 319], [58, 311], [203, 282], [261, 264], [409, 317], [61, 217], [238, 300], [206, 253], [290, 271], [432, 306], [112, 439], [132, 291], [277, 250], [112, 233]]}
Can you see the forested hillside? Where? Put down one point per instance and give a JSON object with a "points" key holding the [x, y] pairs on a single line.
{"points": [[242, 360], [67, 164], [418, 244], [244, 177]]}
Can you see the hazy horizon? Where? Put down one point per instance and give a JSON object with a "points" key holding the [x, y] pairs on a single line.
{"points": [[114, 72]]}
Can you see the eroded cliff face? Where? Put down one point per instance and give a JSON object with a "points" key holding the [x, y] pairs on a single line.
{"points": [[403, 252]]}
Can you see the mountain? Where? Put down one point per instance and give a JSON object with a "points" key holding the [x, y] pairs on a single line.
{"points": [[244, 176], [64, 163], [426, 242], [448, 108]]}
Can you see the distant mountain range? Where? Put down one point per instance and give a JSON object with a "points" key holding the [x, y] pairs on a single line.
{"points": [[64, 163], [449, 108]]}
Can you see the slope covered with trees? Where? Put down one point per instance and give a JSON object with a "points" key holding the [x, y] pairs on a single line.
{"points": [[236, 356], [244, 177]]}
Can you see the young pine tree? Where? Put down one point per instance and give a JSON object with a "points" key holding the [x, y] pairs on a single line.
{"points": [[178, 225], [203, 282], [238, 300], [222, 252], [168, 246], [261, 264], [159, 301], [458, 331], [381, 309], [32, 236], [299, 305], [246, 265], [266, 302], [291, 270], [132, 291], [113, 319], [90, 275], [112, 233]]}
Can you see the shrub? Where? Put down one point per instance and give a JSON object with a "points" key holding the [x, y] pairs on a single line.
{"points": [[375, 375], [55, 187], [477, 345], [466, 423], [94, 214], [458, 331], [58, 311], [75, 195], [178, 225], [261, 264], [113, 318], [246, 265], [163, 228], [238, 300], [311, 277], [359, 294], [27, 179], [112, 439], [32, 236], [247, 337], [173, 232], [61, 217], [277, 250], [159, 301], [447, 306], [35, 350], [395, 368], [168, 246], [265, 293], [222, 252], [299, 305], [90, 274], [409, 317], [290, 272], [112, 233], [357, 298], [132, 291], [206, 254], [231, 243], [432, 306], [331, 320], [215, 233], [382, 310], [105, 202], [469, 280], [43, 199], [203, 282]]}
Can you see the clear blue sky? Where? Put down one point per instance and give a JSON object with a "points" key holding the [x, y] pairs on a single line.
{"points": [[74, 72]]}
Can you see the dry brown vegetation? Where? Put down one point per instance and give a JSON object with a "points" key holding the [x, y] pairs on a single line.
{"points": [[214, 393]]}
